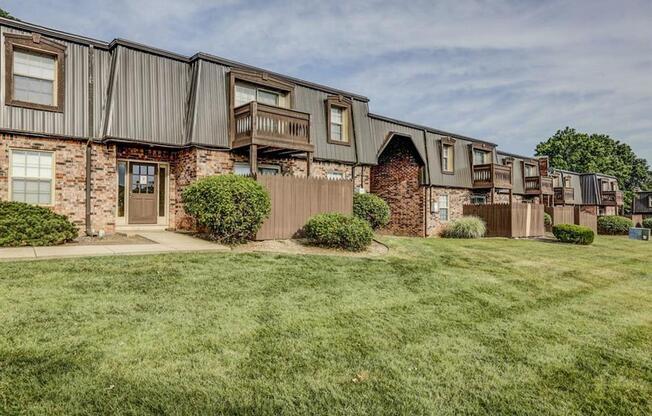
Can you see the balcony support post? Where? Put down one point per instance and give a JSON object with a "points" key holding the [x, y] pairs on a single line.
{"points": [[308, 164], [253, 159]]}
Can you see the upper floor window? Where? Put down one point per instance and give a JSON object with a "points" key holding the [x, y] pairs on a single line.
{"points": [[31, 176], [447, 155], [531, 170], [35, 72], [339, 120], [649, 201], [481, 157], [247, 93], [567, 181]]}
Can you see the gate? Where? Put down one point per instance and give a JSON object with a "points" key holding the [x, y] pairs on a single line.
{"points": [[295, 199]]}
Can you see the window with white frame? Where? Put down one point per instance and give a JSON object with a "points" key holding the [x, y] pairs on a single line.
{"points": [[649, 201], [478, 199], [334, 175], [481, 157], [447, 157], [245, 93], [269, 169], [242, 169], [443, 208], [31, 176], [531, 170], [338, 133]]}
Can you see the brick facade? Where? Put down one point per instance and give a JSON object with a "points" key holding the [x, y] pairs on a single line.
{"points": [[185, 166], [396, 179], [457, 198]]}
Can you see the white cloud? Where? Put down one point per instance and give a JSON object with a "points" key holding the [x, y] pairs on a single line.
{"points": [[510, 71]]}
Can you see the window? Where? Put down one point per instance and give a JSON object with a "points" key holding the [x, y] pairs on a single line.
{"points": [[531, 170], [243, 169], [35, 72], [614, 186], [339, 120], [481, 157], [31, 176], [142, 179], [443, 208], [335, 175], [478, 199], [447, 158], [567, 181], [649, 201], [162, 181], [122, 175], [245, 93]]}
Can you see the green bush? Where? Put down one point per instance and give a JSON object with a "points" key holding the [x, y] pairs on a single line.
{"points": [[232, 208], [339, 231], [647, 223], [614, 225], [575, 234], [30, 225], [371, 208], [465, 227], [547, 219]]}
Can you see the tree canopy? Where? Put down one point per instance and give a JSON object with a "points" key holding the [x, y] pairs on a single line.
{"points": [[587, 153], [6, 14]]}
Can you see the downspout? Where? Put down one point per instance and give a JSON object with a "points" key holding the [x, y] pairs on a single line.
{"points": [[91, 54]]}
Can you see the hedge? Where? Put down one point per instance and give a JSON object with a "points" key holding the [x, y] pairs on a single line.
{"points": [[336, 230], [575, 234], [614, 225], [31, 225], [371, 208], [647, 223], [232, 208]]}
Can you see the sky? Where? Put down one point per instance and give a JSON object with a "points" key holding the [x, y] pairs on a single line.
{"points": [[510, 72]]}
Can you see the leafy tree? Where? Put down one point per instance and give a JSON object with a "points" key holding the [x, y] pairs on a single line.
{"points": [[6, 14], [586, 153]]}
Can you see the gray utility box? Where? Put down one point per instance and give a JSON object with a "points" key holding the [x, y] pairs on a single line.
{"points": [[639, 234]]}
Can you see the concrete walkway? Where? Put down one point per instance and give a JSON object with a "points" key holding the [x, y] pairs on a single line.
{"points": [[162, 242]]}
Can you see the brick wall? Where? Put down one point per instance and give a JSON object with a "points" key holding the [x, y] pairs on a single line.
{"points": [[396, 179], [457, 198]]}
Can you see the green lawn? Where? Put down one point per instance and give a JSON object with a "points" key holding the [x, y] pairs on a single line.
{"points": [[436, 327]]}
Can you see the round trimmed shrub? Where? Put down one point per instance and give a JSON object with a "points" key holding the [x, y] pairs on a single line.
{"points": [[232, 208], [647, 223], [547, 219], [574, 234], [31, 225], [465, 227], [371, 208], [336, 230], [614, 225]]}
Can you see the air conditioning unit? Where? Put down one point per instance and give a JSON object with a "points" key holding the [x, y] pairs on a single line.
{"points": [[639, 234]]}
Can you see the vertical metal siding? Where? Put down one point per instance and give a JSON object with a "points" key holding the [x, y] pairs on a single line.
{"points": [[101, 72], [463, 176], [518, 185], [73, 121], [589, 190], [364, 140], [209, 119], [381, 129], [149, 100], [313, 102]]}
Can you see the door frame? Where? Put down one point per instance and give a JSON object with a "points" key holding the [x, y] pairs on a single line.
{"points": [[160, 220]]}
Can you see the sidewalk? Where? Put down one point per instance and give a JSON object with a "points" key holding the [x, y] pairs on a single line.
{"points": [[162, 242]]}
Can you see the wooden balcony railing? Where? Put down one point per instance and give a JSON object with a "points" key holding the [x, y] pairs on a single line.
{"points": [[535, 185], [612, 198], [564, 195], [276, 127], [491, 175]]}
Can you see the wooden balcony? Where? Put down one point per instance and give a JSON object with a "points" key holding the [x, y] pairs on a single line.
{"points": [[271, 127], [564, 196], [537, 185], [491, 175], [612, 198]]}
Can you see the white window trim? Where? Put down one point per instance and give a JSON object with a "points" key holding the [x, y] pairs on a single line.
{"points": [[160, 220], [441, 207], [10, 175]]}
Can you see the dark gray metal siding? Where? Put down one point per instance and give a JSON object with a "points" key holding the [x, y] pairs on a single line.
{"points": [[382, 129], [314, 102], [576, 183], [101, 76], [589, 190], [463, 177], [518, 184], [364, 141], [73, 122], [209, 114], [148, 101], [640, 204]]}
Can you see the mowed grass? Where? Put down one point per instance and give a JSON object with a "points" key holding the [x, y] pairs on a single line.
{"points": [[437, 327]]}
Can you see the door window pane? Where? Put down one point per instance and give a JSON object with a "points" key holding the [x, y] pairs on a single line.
{"points": [[122, 170], [162, 178]]}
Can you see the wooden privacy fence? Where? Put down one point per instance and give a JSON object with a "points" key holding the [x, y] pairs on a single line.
{"points": [[562, 215], [505, 220], [573, 215], [586, 218], [296, 199]]}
